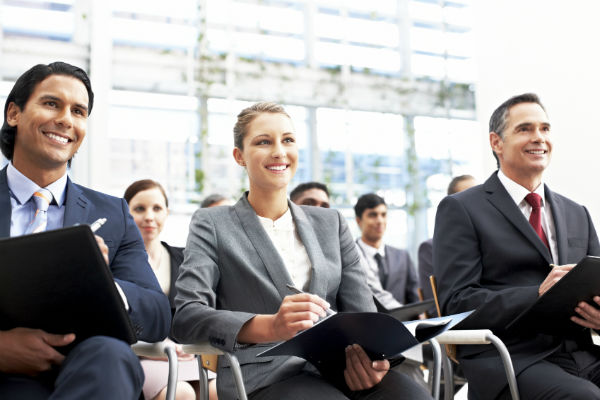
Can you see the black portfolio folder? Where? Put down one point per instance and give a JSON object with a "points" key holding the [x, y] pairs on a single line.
{"points": [[552, 311], [58, 281], [380, 335], [407, 312]]}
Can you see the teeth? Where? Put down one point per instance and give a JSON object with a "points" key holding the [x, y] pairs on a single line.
{"points": [[57, 138], [537, 151], [277, 168]]}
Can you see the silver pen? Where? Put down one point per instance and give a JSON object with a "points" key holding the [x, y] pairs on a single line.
{"points": [[294, 289], [97, 224]]}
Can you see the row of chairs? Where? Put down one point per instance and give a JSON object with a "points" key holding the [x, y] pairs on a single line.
{"points": [[442, 356]]}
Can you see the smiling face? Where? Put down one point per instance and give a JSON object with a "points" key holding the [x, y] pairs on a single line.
{"points": [[270, 153], [51, 126], [149, 211], [525, 148]]}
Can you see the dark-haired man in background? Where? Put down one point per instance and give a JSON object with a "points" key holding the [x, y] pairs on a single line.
{"points": [[45, 121], [311, 194], [493, 248]]}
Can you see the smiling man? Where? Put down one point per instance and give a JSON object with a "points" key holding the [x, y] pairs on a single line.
{"points": [[492, 250], [45, 121]]}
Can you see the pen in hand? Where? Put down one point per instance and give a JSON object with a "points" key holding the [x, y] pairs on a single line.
{"points": [[294, 289], [97, 224]]}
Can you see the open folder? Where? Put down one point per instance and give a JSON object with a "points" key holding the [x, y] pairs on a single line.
{"points": [[58, 281], [551, 313], [406, 312], [380, 335]]}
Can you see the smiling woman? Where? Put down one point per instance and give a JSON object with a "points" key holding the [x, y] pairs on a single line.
{"points": [[233, 287]]}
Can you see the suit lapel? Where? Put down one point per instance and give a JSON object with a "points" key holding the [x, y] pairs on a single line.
{"points": [[5, 207], [263, 246], [76, 206], [501, 200], [318, 282], [560, 224]]}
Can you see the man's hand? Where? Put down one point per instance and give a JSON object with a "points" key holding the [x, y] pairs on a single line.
{"points": [[554, 276], [103, 247], [297, 312], [361, 373], [590, 315], [30, 351]]}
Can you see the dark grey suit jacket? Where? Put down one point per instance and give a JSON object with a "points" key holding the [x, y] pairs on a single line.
{"points": [[231, 272], [486, 256], [402, 278]]}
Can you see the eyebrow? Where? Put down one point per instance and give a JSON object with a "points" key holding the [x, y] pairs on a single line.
{"points": [[54, 98], [526, 124]]}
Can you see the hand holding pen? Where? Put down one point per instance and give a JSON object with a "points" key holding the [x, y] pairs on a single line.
{"points": [[294, 289], [101, 245]]}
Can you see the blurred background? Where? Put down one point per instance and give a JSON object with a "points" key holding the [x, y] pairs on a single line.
{"points": [[387, 96]]}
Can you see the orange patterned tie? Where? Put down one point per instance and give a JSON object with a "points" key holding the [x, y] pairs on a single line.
{"points": [[42, 199]]}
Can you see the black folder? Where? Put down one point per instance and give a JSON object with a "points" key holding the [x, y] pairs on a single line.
{"points": [[551, 313], [407, 312], [380, 335], [58, 281]]}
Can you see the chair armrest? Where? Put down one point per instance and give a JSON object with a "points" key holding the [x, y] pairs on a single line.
{"points": [[158, 349], [470, 336], [201, 348]]}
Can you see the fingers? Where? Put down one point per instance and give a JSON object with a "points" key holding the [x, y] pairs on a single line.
{"points": [[361, 373], [103, 248], [58, 340], [554, 276], [298, 312], [589, 316]]}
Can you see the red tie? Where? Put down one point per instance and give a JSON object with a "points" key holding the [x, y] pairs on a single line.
{"points": [[535, 219]]}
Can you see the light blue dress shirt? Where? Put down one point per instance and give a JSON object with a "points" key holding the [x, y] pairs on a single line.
{"points": [[23, 206]]}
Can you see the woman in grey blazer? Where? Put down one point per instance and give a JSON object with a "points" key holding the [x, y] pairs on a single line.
{"points": [[232, 291]]}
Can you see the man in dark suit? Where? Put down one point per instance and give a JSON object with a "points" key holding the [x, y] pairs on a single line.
{"points": [[388, 268], [45, 120], [488, 256], [311, 194]]}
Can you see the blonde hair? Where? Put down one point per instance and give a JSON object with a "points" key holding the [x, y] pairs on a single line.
{"points": [[247, 115]]}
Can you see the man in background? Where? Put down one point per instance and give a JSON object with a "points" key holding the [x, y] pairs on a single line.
{"points": [[457, 184], [311, 194]]}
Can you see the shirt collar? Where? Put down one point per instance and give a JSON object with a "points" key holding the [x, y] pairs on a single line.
{"points": [[22, 188], [518, 192], [283, 223], [369, 250]]}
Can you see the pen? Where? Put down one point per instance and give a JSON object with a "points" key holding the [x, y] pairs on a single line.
{"points": [[294, 289], [97, 224]]}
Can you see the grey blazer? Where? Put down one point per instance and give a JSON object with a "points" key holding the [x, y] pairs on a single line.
{"points": [[231, 272]]}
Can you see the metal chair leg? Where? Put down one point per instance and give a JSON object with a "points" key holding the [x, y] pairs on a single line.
{"points": [[172, 379], [437, 367], [203, 389], [237, 375], [508, 366]]}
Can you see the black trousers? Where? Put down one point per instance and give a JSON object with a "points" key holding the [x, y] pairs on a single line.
{"points": [[97, 368], [309, 386], [562, 375]]}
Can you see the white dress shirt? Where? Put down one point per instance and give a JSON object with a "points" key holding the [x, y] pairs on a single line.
{"points": [[518, 194], [285, 239]]}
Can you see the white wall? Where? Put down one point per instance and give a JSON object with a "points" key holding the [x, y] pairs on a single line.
{"points": [[548, 47]]}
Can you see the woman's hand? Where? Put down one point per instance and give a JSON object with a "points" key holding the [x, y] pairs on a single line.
{"points": [[361, 373], [296, 312]]}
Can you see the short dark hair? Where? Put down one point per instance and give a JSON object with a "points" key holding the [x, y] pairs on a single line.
{"points": [[369, 200], [24, 87], [140, 186], [303, 187], [212, 199], [455, 181], [500, 114]]}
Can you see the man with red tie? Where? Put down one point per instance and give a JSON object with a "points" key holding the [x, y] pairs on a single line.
{"points": [[494, 247]]}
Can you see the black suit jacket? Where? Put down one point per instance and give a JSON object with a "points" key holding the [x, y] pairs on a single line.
{"points": [[128, 261], [486, 256], [176, 257]]}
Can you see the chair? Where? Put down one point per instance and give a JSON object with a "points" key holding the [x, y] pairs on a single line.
{"points": [[159, 349], [470, 336], [204, 349]]}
